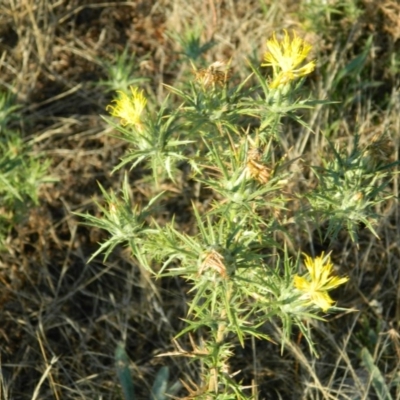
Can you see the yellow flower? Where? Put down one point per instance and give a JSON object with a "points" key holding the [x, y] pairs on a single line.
{"points": [[321, 281], [128, 108], [285, 57]]}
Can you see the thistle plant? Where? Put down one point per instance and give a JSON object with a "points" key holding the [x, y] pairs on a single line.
{"points": [[242, 275], [21, 171], [121, 72], [351, 185]]}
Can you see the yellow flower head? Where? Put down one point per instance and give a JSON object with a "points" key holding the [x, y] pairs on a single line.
{"points": [[320, 281], [128, 108], [285, 57]]}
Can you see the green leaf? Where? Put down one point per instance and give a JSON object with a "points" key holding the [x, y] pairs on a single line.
{"points": [[123, 373], [160, 385], [378, 381]]}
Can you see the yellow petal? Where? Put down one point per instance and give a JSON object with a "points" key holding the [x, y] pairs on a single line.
{"points": [[322, 300], [285, 56]]}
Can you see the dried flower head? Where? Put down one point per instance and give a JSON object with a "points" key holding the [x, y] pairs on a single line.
{"points": [[285, 57], [128, 108], [255, 169], [215, 261], [218, 73], [319, 282]]}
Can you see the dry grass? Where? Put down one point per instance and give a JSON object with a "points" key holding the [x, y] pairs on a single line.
{"points": [[60, 317]]}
